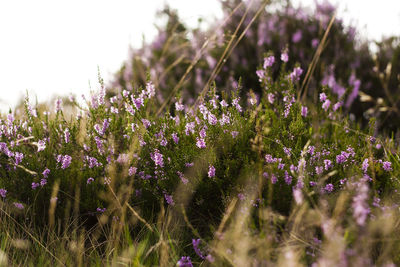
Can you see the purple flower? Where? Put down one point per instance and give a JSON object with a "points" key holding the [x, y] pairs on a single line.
{"points": [[274, 179], [300, 183], [189, 128], [125, 93], [94, 163], [223, 103], [130, 109], [94, 102], [114, 110], [326, 104], [304, 111], [35, 185], [311, 150], [58, 104], [182, 177], [185, 262], [342, 157], [337, 105], [101, 131], [67, 136], [271, 98], [327, 164], [376, 202], [269, 158], [295, 75], [314, 42], [212, 119], [132, 171], [41, 145], [99, 144], [196, 243], [293, 168], [3, 192], [101, 210], [359, 205], [198, 121], [43, 182], [235, 102], [169, 199], [297, 36], [5, 150], [268, 61], [32, 111], [46, 173], [365, 165], [288, 178], [319, 170], [203, 110], [288, 151], [146, 123], [18, 157], [179, 106], [86, 147], [322, 97], [234, 134], [387, 166], [350, 151], [211, 171], [285, 56], [366, 177], [157, 157], [138, 102], [287, 109], [101, 96], [66, 161], [10, 119], [18, 205], [329, 188], [260, 74], [163, 142], [150, 89], [200, 143], [90, 180], [203, 133], [214, 101], [224, 120]]}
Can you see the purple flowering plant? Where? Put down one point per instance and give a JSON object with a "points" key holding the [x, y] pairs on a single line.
{"points": [[125, 156]]}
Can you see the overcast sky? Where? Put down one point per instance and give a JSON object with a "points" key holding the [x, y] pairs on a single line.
{"points": [[52, 47]]}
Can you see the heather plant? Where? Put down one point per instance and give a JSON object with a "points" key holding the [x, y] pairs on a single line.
{"points": [[116, 169], [247, 176], [187, 60]]}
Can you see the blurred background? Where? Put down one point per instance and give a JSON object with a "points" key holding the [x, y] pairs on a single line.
{"points": [[50, 48]]}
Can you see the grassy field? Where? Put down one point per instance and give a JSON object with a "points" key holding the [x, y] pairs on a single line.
{"points": [[282, 173]]}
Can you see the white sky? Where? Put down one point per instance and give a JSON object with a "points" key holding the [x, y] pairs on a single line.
{"points": [[53, 47]]}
